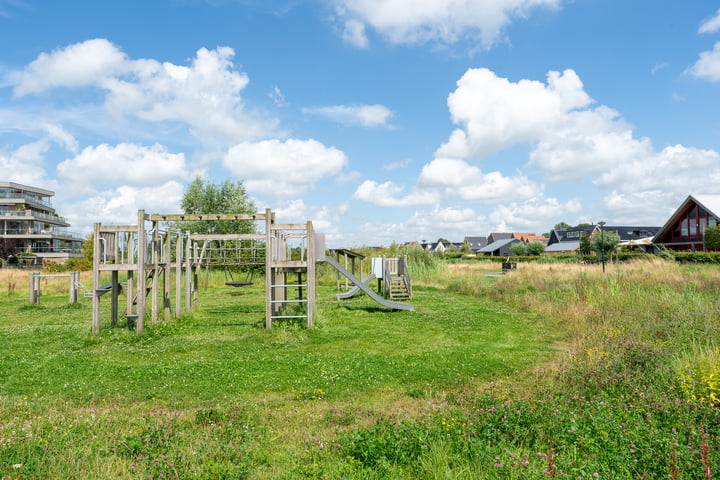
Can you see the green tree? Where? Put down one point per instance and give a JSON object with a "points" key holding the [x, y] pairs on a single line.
{"points": [[88, 247], [518, 248], [605, 242], [465, 249], [711, 238], [535, 247], [226, 197], [585, 245], [561, 226]]}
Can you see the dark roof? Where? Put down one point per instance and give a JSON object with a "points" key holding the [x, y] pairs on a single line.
{"points": [[497, 245], [632, 233], [572, 234], [562, 247], [476, 243]]}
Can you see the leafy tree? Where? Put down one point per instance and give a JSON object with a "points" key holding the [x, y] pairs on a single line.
{"points": [[584, 225], [226, 197], [465, 249], [561, 226], [88, 247], [585, 245], [518, 248], [443, 240], [605, 241], [8, 248], [712, 238], [535, 247]]}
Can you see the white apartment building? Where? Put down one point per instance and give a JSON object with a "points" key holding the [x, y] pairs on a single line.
{"points": [[28, 218]]}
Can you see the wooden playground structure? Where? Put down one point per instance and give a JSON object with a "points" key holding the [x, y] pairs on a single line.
{"points": [[35, 285], [152, 255]]}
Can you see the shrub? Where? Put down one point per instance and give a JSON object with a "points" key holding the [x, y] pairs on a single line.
{"points": [[699, 377]]}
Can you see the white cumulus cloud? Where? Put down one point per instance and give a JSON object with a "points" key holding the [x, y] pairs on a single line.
{"points": [[363, 115], [126, 163], [204, 95], [78, 65], [436, 21], [711, 25], [120, 205], [463, 181], [25, 164], [708, 66], [388, 194], [283, 169], [494, 113], [672, 169], [532, 214], [570, 137]]}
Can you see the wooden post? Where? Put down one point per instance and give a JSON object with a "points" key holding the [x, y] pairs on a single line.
{"points": [[96, 280], [188, 274], [269, 257], [33, 288], [311, 258], [142, 280], [155, 286], [178, 274], [130, 292], [74, 286], [166, 278]]}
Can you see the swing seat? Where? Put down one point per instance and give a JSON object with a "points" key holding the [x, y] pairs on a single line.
{"points": [[238, 284]]}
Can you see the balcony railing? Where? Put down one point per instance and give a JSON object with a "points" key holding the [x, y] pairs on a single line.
{"points": [[54, 250], [27, 197], [34, 231], [33, 214]]}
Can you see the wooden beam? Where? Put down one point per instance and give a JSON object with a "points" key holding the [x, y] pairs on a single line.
{"points": [[188, 217], [118, 228], [228, 236], [289, 226]]}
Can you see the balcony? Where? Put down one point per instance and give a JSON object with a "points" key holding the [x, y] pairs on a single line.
{"points": [[51, 232], [25, 196], [31, 214]]}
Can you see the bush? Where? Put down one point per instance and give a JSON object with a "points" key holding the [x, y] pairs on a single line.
{"points": [[697, 257]]}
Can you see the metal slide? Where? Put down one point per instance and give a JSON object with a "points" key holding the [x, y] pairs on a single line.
{"points": [[369, 291], [355, 289]]}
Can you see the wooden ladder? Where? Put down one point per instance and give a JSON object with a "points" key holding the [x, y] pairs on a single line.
{"points": [[398, 289]]}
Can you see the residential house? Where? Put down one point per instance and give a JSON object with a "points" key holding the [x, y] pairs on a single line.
{"points": [[530, 237], [568, 240], [495, 236], [28, 218], [685, 229], [499, 248], [476, 243]]}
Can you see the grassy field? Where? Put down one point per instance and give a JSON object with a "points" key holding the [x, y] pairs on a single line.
{"points": [[550, 371]]}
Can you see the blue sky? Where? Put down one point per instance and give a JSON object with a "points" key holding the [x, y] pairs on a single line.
{"points": [[380, 120]]}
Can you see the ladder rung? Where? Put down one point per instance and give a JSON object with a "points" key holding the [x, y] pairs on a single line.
{"points": [[290, 285], [289, 316], [288, 301]]}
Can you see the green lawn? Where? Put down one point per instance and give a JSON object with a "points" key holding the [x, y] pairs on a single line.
{"points": [[218, 396]]}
